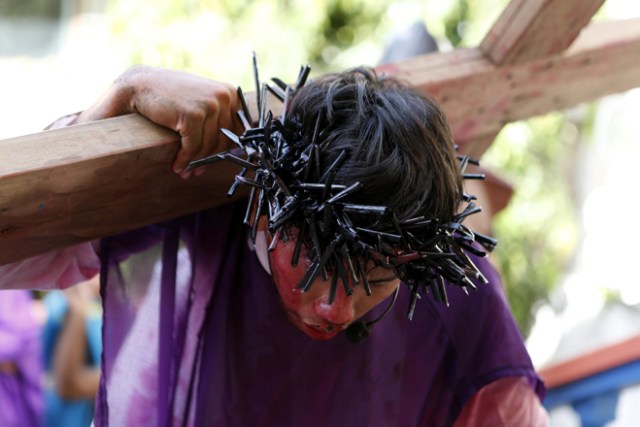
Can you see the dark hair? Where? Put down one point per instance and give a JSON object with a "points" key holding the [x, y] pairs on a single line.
{"points": [[398, 143]]}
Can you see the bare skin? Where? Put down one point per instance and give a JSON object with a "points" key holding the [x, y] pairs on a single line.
{"points": [[195, 107], [310, 311]]}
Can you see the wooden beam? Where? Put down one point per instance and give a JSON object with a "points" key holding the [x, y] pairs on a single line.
{"points": [[79, 183], [532, 29], [69, 185], [479, 98]]}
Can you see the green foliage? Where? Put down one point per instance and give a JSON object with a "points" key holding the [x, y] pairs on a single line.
{"points": [[455, 22], [31, 8], [537, 231], [216, 37], [467, 21], [345, 23]]}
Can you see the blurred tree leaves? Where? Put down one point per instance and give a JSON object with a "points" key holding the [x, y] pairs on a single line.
{"points": [[465, 22], [538, 230], [216, 37], [31, 8], [345, 23]]}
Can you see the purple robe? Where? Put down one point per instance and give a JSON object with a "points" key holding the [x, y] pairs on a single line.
{"points": [[21, 400], [226, 354]]}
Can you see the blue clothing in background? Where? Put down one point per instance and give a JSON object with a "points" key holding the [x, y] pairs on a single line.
{"points": [[59, 411]]}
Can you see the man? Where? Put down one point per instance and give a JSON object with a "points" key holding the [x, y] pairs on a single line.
{"points": [[356, 188]]}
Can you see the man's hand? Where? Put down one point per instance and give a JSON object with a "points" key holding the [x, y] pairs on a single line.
{"points": [[195, 107]]}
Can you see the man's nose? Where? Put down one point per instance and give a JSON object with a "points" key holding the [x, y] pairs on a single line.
{"points": [[340, 312]]}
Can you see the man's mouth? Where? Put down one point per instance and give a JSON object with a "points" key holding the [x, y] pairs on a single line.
{"points": [[319, 333], [314, 330], [328, 329]]}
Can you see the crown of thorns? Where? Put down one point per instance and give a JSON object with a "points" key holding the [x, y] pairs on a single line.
{"points": [[291, 190]]}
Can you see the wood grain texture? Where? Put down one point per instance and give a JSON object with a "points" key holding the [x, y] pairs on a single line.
{"points": [[532, 29], [75, 184], [479, 98]]}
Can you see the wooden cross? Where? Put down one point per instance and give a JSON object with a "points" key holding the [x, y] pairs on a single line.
{"points": [[88, 181]]}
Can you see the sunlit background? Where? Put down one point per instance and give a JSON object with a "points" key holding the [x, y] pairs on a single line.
{"points": [[568, 239]]}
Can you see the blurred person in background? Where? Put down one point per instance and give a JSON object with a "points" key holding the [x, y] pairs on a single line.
{"points": [[21, 371], [72, 350]]}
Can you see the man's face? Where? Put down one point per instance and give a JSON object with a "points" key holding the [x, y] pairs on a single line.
{"points": [[310, 311]]}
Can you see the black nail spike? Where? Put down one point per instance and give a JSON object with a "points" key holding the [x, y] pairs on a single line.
{"points": [[245, 107], [277, 92], [298, 247], [256, 78], [302, 77]]}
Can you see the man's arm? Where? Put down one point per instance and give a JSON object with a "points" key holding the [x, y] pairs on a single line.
{"points": [[506, 402], [52, 270]]}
